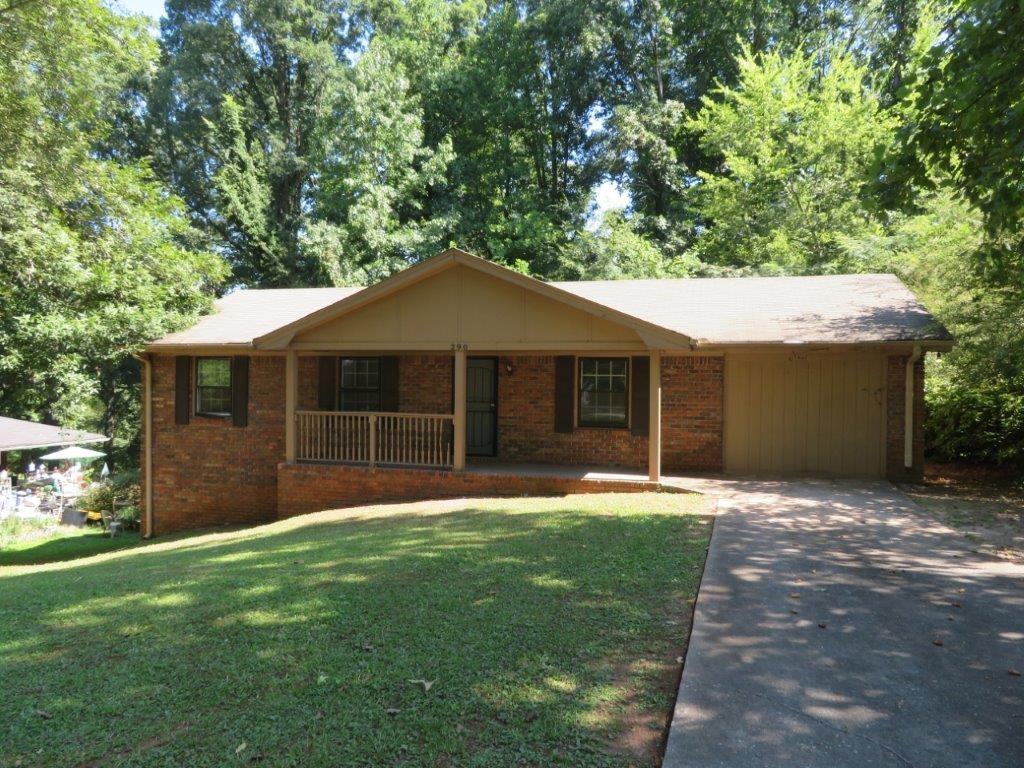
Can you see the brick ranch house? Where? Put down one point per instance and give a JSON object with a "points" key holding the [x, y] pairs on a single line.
{"points": [[460, 377]]}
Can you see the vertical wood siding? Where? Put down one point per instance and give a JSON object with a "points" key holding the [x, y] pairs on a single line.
{"points": [[805, 412]]}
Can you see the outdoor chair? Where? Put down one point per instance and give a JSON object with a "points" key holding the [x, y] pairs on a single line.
{"points": [[111, 523]]}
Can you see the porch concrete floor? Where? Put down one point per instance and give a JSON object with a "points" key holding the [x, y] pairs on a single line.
{"points": [[555, 470]]}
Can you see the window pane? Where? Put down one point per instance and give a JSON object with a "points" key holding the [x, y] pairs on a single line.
{"points": [[360, 372], [604, 383], [360, 384], [360, 400], [213, 372], [213, 400]]}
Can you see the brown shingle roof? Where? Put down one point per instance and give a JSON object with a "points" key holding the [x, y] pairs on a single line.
{"points": [[244, 315], [833, 309], [837, 309]]}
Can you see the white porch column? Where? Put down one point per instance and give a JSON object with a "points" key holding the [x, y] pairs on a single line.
{"points": [[654, 430], [291, 399], [459, 461]]}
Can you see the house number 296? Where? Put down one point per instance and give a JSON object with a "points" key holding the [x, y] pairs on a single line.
{"points": [[460, 346]]}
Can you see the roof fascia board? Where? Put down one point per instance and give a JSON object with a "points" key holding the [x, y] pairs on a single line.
{"points": [[935, 345], [201, 349]]}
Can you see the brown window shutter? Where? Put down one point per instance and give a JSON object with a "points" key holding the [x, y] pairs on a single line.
{"points": [[240, 390], [389, 383], [327, 384], [182, 388], [640, 396], [565, 395]]}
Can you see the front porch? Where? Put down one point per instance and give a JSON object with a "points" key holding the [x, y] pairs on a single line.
{"points": [[490, 413]]}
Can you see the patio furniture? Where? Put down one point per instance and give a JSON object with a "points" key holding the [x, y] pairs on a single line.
{"points": [[112, 524]]}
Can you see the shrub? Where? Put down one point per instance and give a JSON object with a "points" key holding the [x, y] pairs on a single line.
{"points": [[980, 420], [122, 486]]}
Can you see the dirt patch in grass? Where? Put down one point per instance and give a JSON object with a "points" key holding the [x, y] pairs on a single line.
{"points": [[984, 503], [648, 686]]}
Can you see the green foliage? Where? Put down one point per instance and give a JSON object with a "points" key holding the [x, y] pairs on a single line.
{"points": [[379, 173], [966, 109], [96, 256], [239, 118], [796, 148], [121, 486]]}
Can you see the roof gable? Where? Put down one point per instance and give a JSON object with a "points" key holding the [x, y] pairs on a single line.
{"points": [[431, 270]]}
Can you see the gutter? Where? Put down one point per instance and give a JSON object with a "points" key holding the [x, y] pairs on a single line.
{"points": [[908, 408], [147, 443]]}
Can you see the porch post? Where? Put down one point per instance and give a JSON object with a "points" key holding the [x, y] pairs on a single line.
{"points": [[459, 461], [654, 431], [291, 398]]}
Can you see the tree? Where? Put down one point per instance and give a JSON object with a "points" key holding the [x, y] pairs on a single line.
{"points": [[520, 107], [95, 256], [797, 149], [240, 119], [378, 174], [966, 113]]}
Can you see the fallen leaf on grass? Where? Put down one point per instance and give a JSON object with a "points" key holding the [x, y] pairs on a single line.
{"points": [[392, 711], [427, 684], [240, 748], [44, 714]]}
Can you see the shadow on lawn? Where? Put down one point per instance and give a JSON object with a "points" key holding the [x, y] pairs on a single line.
{"points": [[310, 645]]}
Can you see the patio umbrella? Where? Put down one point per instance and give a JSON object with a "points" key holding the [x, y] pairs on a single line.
{"points": [[72, 452]]}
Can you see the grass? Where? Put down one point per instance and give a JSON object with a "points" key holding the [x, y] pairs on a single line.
{"points": [[487, 633], [63, 543]]}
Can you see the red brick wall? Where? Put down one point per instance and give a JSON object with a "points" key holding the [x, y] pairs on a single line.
{"points": [[309, 383], [692, 401], [526, 423], [895, 411], [304, 488], [425, 383], [208, 472], [692, 407]]}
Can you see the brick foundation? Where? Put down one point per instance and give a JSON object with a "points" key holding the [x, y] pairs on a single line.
{"points": [[895, 411], [304, 488]]}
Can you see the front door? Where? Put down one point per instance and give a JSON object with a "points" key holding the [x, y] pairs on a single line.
{"points": [[481, 406]]}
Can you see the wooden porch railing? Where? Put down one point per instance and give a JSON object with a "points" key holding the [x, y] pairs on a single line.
{"points": [[372, 438]]}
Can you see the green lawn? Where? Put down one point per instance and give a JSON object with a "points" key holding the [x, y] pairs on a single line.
{"points": [[498, 632], [66, 544]]}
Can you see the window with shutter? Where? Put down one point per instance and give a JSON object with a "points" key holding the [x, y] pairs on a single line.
{"points": [[213, 386], [604, 391]]}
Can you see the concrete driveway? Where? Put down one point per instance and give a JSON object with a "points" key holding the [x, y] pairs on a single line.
{"points": [[838, 626]]}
